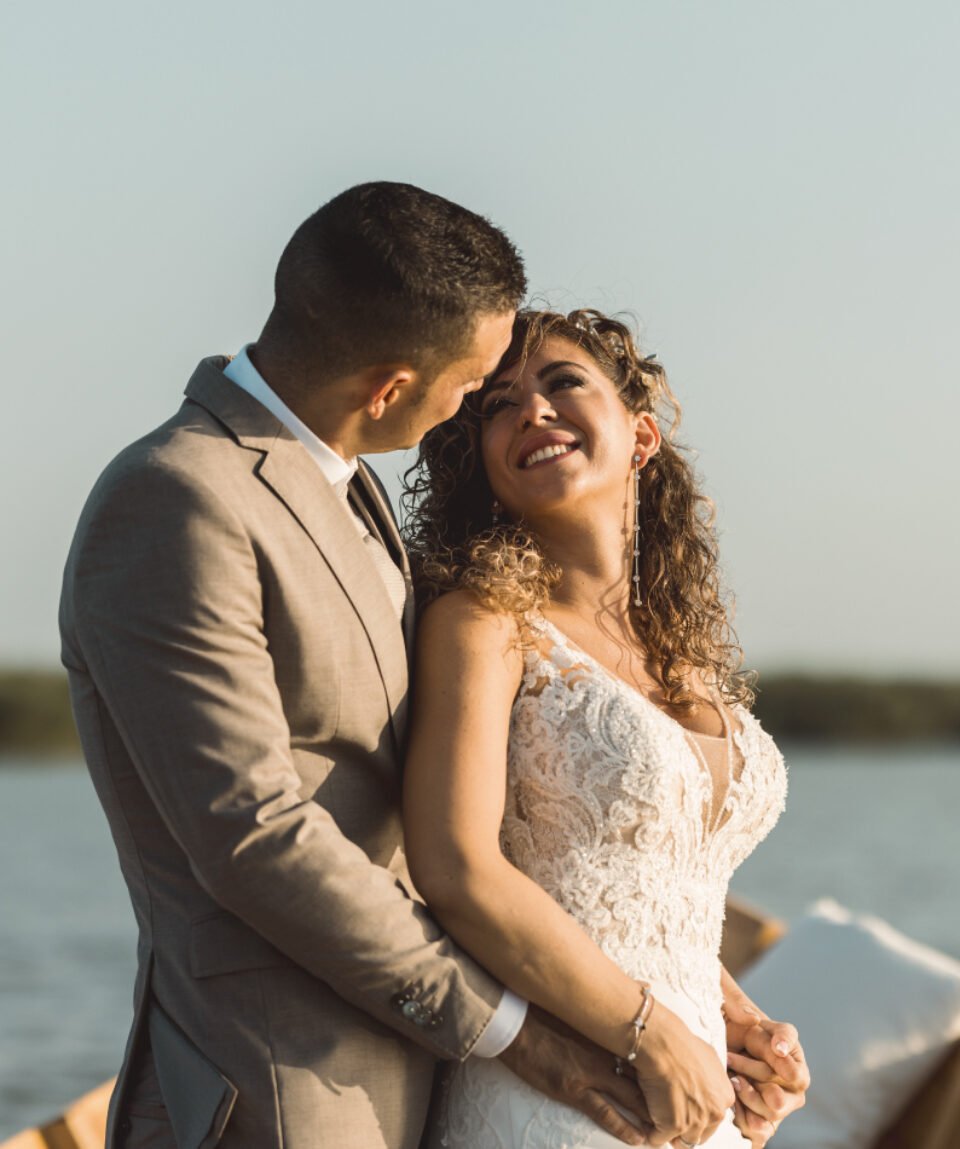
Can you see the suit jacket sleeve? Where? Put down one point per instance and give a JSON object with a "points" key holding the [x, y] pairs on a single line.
{"points": [[164, 611]]}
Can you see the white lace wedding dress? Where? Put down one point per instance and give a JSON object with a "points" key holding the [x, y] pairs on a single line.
{"points": [[612, 808]]}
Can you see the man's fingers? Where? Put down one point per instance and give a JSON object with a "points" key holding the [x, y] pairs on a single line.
{"points": [[626, 1093], [709, 1132], [658, 1138], [599, 1109]]}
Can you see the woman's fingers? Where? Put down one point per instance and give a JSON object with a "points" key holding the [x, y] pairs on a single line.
{"points": [[795, 1076], [767, 1041], [758, 1130], [754, 1100], [750, 1066], [739, 1008], [782, 1036], [793, 1071], [769, 1103]]}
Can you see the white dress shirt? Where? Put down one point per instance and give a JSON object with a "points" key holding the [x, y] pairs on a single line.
{"points": [[510, 1014], [339, 471]]}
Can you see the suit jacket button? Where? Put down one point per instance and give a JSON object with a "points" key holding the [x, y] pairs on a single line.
{"points": [[411, 1010]]}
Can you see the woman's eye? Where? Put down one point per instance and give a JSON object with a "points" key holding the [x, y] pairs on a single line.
{"points": [[495, 406], [561, 382], [497, 403]]}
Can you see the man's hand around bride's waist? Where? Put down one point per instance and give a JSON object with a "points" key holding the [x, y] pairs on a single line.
{"points": [[564, 1065]]}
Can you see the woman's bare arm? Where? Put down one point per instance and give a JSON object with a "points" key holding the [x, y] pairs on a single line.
{"points": [[468, 671]]}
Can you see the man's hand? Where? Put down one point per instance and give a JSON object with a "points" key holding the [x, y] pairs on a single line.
{"points": [[565, 1066], [770, 1073]]}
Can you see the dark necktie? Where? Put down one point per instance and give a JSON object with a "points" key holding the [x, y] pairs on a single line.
{"points": [[390, 574]]}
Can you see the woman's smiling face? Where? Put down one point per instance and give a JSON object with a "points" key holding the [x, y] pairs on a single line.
{"points": [[555, 430]]}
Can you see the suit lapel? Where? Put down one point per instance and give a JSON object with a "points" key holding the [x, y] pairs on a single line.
{"points": [[287, 469]]}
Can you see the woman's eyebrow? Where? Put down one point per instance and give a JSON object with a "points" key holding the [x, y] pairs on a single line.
{"points": [[541, 374], [556, 364]]}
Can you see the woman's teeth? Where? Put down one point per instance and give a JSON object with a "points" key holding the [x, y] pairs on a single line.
{"points": [[548, 453]]}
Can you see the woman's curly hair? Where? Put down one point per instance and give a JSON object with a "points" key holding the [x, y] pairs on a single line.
{"points": [[683, 622]]}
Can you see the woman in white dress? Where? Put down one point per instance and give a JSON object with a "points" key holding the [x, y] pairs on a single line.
{"points": [[584, 774]]}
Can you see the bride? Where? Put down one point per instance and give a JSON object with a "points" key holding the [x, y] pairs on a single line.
{"points": [[584, 774]]}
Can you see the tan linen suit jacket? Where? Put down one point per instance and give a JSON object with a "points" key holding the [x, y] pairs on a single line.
{"points": [[239, 681]]}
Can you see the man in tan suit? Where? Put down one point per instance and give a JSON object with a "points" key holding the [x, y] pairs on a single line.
{"points": [[233, 620]]}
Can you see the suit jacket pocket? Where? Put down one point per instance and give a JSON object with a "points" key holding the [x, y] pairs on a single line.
{"points": [[222, 943], [198, 1098]]}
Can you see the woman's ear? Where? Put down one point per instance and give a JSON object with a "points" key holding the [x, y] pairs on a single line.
{"points": [[648, 437]]}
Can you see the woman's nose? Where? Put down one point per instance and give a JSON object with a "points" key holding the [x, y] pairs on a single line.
{"points": [[535, 408]]}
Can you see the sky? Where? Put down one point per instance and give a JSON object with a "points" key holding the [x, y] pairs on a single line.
{"points": [[772, 190]]}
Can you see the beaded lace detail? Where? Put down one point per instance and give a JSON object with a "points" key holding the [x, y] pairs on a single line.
{"points": [[609, 808]]}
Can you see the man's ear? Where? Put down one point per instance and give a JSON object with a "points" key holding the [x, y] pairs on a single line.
{"points": [[384, 386]]}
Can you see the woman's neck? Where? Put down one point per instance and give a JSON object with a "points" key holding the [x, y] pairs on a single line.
{"points": [[594, 556]]}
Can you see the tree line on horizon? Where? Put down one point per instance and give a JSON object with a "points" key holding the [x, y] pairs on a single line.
{"points": [[36, 720]]}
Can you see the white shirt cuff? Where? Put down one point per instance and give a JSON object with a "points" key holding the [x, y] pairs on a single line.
{"points": [[503, 1027]]}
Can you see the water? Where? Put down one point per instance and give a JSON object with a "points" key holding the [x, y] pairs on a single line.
{"points": [[873, 829]]}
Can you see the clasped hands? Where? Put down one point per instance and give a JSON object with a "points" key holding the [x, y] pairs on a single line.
{"points": [[768, 1070], [768, 1075]]}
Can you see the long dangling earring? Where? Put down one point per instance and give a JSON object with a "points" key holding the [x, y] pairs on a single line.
{"points": [[495, 512], [637, 461]]}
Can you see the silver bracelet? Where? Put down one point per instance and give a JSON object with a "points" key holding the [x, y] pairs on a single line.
{"points": [[639, 1023]]}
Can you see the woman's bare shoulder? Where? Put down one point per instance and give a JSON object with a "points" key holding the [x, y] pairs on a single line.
{"points": [[459, 619], [461, 609]]}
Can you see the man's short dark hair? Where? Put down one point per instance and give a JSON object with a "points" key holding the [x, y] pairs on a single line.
{"points": [[387, 273]]}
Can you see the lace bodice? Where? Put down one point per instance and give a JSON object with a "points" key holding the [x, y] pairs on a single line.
{"points": [[611, 809]]}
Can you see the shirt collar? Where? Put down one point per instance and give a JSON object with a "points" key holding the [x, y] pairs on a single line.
{"points": [[240, 370]]}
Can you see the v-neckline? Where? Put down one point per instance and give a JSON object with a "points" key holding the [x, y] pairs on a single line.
{"points": [[576, 648], [710, 825]]}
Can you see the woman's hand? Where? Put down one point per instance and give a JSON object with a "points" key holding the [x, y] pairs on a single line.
{"points": [[769, 1071], [683, 1083]]}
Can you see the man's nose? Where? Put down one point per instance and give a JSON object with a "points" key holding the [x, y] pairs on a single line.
{"points": [[535, 409]]}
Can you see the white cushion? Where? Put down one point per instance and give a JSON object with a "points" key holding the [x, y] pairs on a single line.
{"points": [[875, 1011]]}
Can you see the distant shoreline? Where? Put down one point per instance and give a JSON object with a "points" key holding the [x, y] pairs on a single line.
{"points": [[35, 716], [36, 722]]}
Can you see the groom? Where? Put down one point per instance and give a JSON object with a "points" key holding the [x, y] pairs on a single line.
{"points": [[233, 618]]}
